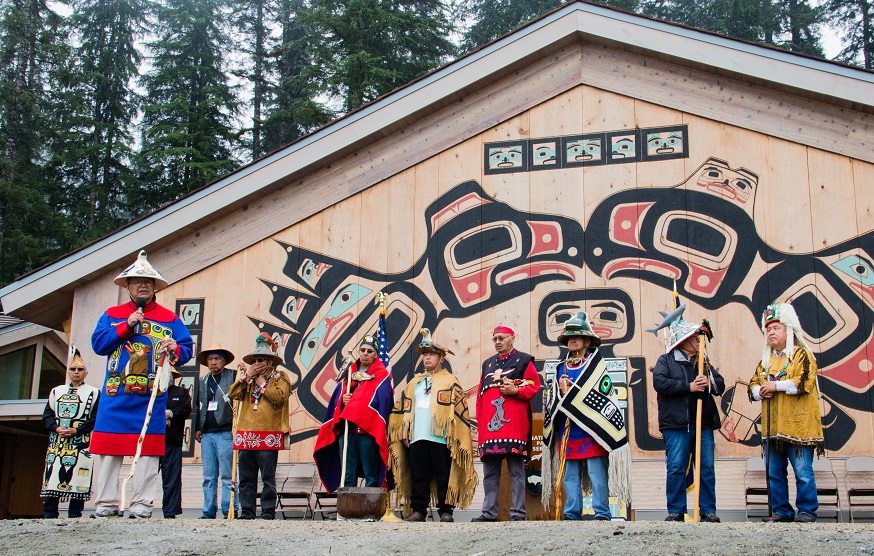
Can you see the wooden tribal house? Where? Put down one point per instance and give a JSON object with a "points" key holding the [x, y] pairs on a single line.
{"points": [[587, 161]]}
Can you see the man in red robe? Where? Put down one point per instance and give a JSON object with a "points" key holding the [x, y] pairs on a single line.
{"points": [[503, 412], [366, 408]]}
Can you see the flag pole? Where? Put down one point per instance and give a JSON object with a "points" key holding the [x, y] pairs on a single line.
{"points": [[382, 300]]}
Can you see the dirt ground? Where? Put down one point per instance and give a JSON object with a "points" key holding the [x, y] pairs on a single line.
{"points": [[188, 537]]}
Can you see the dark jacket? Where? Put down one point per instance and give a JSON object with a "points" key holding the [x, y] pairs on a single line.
{"points": [[179, 402], [224, 414], [671, 379]]}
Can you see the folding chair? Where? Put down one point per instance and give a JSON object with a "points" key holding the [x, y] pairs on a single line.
{"points": [[294, 495], [860, 496]]}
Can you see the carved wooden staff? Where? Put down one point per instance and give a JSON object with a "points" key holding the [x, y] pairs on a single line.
{"points": [[703, 334], [160, 377], [562, 456], [345, 368], [235, 412]]}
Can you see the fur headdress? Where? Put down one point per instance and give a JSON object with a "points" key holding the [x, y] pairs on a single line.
{"points": [[785, 314]]}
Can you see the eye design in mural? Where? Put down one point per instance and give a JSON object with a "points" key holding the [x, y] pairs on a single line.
{"points": [[678, 233], [482, 252]]}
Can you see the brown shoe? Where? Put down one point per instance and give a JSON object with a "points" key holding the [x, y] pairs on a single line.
{"points": [[446, 518], [416, 516]]}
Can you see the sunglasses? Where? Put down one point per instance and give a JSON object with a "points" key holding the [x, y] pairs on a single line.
{"points": [[366, 350], [77, 369]]}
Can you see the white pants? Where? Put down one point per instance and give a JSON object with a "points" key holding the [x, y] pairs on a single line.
{"points": [[144, 483]]}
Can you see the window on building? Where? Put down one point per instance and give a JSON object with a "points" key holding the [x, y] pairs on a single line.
{"points": [[52, 373], [16, 373]]}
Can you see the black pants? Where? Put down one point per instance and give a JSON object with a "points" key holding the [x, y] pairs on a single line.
{"points": [[50, 507], [252, 461], [170, 465], [429, 460]]}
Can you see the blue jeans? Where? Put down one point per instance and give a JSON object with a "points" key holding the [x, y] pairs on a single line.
{"points": [[573, 504], [801, 458], [679, 444], [216, 450], [362, 459]]}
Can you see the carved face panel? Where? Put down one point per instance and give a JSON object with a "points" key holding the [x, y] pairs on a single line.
{"points": [[544, 153], [508, 157], [623, 147], [664, 143], [583, 150]]}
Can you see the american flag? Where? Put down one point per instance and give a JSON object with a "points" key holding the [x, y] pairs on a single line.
{"points": [[382, 350]]}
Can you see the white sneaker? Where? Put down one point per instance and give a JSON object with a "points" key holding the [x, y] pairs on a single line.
{"points": [[139, 514], [105, 512]]}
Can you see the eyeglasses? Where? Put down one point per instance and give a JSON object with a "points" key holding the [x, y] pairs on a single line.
{"points": [[140, 281], [366, 350], [77, 369]]}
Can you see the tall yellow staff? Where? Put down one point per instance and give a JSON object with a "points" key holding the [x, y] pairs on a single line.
{"points": [[704, 333], [559, 478], [235, 410]]}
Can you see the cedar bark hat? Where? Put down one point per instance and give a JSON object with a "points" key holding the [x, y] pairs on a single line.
{"points": [[428, 345], [579, 327], [141, 269], [75, 359], [214, 349], [264, 347]]}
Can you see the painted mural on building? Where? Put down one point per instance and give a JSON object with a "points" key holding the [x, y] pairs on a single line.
{"points": [[482, 252]]}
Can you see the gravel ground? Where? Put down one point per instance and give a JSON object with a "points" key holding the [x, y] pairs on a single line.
{"points": [[188, 537]]}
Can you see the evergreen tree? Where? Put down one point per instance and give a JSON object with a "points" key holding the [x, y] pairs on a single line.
{"points": [[798, 22], [280, 69], [366, 48], [856, 19], [97, 109], [187, 130], [253, 18], [32, 47], [495, 18], [293, 109]]}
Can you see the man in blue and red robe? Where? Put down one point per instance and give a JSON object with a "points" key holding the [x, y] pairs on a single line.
{"points": [[134, 336], [366, 408]]}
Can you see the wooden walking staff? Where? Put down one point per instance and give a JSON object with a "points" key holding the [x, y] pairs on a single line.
{"points": [[562, 458], [162, 378], [345, 369], [235, 412], [704, 333]]}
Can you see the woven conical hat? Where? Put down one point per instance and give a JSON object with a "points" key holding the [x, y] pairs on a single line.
{"points": [[141, 269]]}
